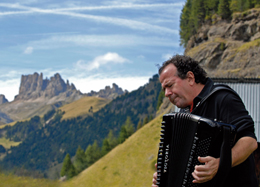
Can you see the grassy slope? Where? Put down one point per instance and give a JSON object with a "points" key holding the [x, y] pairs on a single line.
{"points": [[14, 181], [129, 164], [7, 143], [81, 107], [78, 108]]}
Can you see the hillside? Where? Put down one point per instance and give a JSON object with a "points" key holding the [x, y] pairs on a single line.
{"points": [[228, 48], [129, 164], [223, 36], [46, 140], [83, 107]]}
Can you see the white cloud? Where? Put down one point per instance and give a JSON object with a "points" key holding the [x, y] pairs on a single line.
{"points": [[63, 41], [166, 56], [129, 23], [10, 88], [28, 50], [108, 58], [96, 83]]}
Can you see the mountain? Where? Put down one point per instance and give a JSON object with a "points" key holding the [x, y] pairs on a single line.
{"points": [[108, 92], [229, 48], [3, 99], [46, 140], [33, 87], [38, 96]]}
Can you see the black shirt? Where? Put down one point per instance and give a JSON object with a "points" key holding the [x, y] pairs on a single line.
{"points": [[228, 107]]}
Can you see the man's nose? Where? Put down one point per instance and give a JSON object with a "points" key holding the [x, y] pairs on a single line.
{"points": [[167, 92]]}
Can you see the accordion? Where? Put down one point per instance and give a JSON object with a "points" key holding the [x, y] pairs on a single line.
{"points": [[184, 137]]}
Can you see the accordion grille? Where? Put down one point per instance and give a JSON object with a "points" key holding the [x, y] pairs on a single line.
{"points": [[179, 148]]}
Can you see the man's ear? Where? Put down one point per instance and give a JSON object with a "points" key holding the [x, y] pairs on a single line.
{"points": [[190, 77]]}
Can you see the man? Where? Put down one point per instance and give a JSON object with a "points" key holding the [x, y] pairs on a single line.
{"points": [[185, 84]]}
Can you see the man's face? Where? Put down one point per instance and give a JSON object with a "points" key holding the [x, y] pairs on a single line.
{"points": [[176, 89]]}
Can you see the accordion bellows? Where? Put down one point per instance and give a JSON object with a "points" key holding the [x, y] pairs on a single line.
{"points": [[184, 137]]}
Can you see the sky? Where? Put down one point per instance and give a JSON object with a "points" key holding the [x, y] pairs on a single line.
{"points": [[90, 43]]}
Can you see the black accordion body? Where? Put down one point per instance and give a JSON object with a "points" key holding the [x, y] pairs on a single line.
{"points": [[184, 137]]}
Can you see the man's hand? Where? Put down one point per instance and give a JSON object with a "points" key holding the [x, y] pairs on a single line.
{"points": [[205, 172], [155, 178]]}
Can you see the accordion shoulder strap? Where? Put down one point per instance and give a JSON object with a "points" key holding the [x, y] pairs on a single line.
{"points": [[217, 88], [225, 162]]}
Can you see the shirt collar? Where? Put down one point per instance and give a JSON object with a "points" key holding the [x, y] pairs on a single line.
{"points": [[204, 92]]}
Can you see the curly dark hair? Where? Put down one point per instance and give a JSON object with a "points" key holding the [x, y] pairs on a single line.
{"points": [[185, 64]]}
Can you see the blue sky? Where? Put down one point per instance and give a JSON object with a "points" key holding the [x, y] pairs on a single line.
{"points": [[90, 43]]}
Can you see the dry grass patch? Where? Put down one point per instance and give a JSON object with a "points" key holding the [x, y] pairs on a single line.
{"points": [[129, 164], [82, 106]]}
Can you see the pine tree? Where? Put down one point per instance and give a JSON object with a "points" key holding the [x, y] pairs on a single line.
{"points": [[93, 153], [80, 160], [129, 126], [186, 25], [111, 139], [105, 147], [223, 9], [198, 13], [249, 4], [255, 3], [89, 157], [122, 134], [67, 169], [126, 130], [139, 125], [160, 99], [234, 6]]}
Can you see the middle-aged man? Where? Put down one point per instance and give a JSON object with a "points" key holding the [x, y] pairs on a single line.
{"points": [[185, 83]]}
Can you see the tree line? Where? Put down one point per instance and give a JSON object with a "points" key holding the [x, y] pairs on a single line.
{"points": [[195, 13], [84, 159], [45, 141]]}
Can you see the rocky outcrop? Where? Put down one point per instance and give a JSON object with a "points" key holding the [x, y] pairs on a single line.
{"points": [[37, 96], [108, 92], [229, 48], [3, 99], [34, 86]]}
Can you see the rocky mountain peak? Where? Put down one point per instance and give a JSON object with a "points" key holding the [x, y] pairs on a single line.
{"points": [[108, 92], [34, 86], [3, 99]]}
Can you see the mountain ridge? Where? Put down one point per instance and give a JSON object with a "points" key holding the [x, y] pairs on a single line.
{"points": [[38, 96]]}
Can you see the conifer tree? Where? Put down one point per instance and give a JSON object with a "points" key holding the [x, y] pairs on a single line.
{"points": [[139, 125], [122, 134], [234, 6], [223, 9], [255, 3], [93, 153], [249, 4], [80, 160], [68, 169], [198, 13], [160, 99], [186, 24], [111, 139], [129, 126], [126, 130], [105, 147], [146, 120]]}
